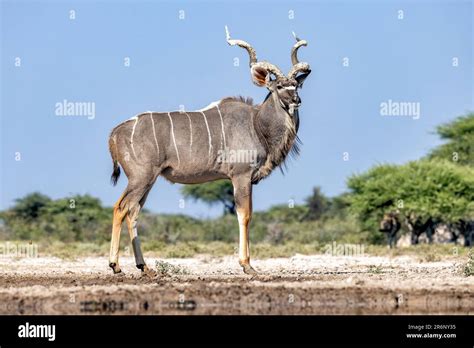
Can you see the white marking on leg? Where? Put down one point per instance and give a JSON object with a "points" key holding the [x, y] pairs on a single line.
{"points": [[209, 134], [154, 134], [174, 139], [190, 134], [134, 229], [243, 241], [222, 126], [133, 132]]}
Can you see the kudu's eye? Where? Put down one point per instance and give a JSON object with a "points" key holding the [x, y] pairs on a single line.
{"points": [[279, 87]]}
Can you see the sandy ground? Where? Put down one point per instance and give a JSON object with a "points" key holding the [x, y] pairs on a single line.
{"points": [[318, 284]]}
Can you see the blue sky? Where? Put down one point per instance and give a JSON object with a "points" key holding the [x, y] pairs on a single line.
{"points": [[187, 61]]}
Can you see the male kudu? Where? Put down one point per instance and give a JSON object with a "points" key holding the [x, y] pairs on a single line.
{"points": [[187, 148]]}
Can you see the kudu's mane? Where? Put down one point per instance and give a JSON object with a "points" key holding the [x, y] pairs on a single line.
{"points": [[277, 157], [239, 98]]}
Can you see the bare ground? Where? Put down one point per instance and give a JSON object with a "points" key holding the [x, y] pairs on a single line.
{"points": [[317, 284]]}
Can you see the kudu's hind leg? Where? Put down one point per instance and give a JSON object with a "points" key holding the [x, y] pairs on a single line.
{"points": [[132, 218], [134, 199], [119, 215], [392, 240], [243, 203]]}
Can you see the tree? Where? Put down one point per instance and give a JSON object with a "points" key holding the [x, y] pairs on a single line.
{"points": [[338, 206], [30, 206], [283, 213], [419, 190], [36, 216], [317, 204], [220, 191], [79, 217], [459, 147]]}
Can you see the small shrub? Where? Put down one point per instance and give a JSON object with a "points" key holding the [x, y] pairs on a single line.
{"points": [[375, 269], [167, 269], [468, 268]]}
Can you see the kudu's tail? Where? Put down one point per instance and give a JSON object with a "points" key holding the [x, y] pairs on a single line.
{"points": [[113, 152]]}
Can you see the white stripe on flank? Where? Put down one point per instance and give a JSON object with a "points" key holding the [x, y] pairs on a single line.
{"points": [[210, 106], [137, 115], [222, 126], [154, 134], [174, 139], [208, 133], [190, 134], [133, 132]]}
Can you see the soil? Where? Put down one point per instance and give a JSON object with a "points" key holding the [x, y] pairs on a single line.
{"points": [[316, 284]]}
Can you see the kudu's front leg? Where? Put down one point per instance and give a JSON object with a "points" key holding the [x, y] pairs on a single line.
{"points": [[243, 203]]}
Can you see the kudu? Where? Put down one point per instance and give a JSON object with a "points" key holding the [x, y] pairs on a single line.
{"points": [[188, 147], [390, 225], [417, 227]]}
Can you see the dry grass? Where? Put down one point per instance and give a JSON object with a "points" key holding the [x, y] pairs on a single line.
{"points": [[424, 252]]}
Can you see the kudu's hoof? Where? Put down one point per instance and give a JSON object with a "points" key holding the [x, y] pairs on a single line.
{"points": [[147, 272], [115, 268], [249, 270]]}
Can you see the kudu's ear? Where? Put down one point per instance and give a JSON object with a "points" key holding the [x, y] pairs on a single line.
{"points": [[300, 79], [260, 76]]}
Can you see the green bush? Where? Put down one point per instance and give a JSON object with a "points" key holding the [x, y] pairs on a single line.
{"points": [[83, 219], [428, 188], [459, 146]]}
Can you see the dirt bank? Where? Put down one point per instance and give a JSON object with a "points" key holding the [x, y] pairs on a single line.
{"points": [[319, 284]]}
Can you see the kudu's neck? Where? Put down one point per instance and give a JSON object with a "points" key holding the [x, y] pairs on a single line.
{"points": [[276, 130]]}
